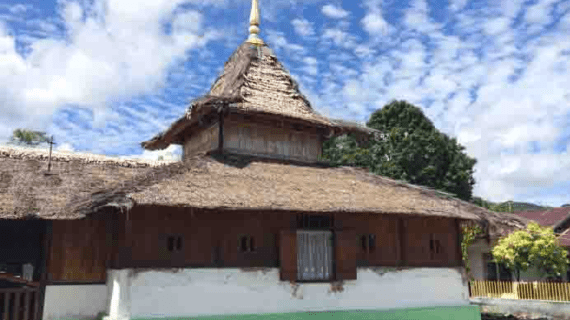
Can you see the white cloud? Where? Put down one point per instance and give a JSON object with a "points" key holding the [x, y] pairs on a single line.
{"points": [[172, 153], [496, 26], [374, 23], [334, 12], [303, 27], [65, 147], [417, 17], [278, 41], [109, 54], [457, 5], [311, 66]]}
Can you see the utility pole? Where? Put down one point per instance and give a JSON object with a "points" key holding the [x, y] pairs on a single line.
{"points": [[51, 143]]}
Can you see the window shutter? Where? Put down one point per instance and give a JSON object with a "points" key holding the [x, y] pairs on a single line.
{"points": [[288, 255], [345, 250]]}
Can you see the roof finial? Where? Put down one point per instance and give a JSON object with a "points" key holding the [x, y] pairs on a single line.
{"points": [[254, 24]]}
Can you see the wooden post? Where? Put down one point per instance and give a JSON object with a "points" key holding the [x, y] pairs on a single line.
{"points": [[5, 316], [44, 273], [402, 258], [51, 143], [221, 133]]}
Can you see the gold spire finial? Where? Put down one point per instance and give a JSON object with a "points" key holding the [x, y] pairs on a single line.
{"points": [[254, 24]]}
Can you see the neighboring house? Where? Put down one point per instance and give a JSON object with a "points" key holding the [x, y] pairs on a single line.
{"points": [[249, 222], [483, 266]]}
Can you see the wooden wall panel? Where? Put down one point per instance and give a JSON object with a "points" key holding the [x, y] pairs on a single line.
{"points": [[262, 139], [202, 141], [288, 255], [385, 228], [417, 249], [78, 251], [345, 254]]}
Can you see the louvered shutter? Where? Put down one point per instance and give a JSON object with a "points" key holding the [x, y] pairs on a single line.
{"points": [[345, 250], [288, 255]]}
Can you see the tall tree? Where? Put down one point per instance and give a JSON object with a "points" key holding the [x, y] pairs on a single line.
{"points": [[410, 149]]}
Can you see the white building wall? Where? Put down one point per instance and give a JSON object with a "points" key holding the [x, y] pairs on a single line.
{"points": [[476, 263], [478, 266], [74, 301], [201, 292]]}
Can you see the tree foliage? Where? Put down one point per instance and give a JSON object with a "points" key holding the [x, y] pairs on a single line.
{"points": [[534, 247], [28, 137], [469, 235], [410, 148]]}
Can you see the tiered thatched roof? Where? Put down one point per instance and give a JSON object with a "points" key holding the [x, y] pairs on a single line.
{"points": [[253, 81], [237, 182], [81, 184], [26, 188]]}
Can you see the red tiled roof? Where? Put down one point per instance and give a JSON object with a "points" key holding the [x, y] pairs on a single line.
{"points": [[547, 218]]}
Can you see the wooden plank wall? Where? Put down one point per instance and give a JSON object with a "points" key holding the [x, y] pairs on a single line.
{"points": [[78, 251], [211, 238], [202, 141], [263, 139]]}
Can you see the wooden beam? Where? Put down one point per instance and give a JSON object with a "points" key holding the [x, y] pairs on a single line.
{"points": [[45, 276], [402, 243], [221, 133]]}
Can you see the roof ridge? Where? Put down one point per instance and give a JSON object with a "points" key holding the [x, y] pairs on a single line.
{"points": [[15, 152]]}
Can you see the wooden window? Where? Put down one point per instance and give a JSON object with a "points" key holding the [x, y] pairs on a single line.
{"points": [[435, 246], [306, 221], [496, 271], [246, 243], [174, 243], [367, 242], [314, 255]]}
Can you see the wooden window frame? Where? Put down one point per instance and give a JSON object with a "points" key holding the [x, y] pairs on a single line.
{"points": [[246, 243], [174, 243]]}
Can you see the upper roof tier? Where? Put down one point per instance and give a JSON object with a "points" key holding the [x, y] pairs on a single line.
{"points": [[253, 81]]}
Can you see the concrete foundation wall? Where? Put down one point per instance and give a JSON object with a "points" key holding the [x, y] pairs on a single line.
{"points": [[204, 292], [74, 301]]}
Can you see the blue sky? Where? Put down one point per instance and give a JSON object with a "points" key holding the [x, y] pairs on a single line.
{"points": [[104, 75]]}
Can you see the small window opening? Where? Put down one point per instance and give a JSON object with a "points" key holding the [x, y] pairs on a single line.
{"points": [[367, 242], [363, 243], [174, 243], [371, 242], [246, 244], [435, 245]]}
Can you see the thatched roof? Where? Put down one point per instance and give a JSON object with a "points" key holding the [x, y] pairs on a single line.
{"points": [[80, 184], [26, 188], [237, 182], [253, 81]]}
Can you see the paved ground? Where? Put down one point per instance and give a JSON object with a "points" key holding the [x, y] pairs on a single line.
{"points": [[517, 316]]}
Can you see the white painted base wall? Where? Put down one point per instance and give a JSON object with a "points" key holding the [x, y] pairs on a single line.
{"points": [[200, 292], [74, 301]]}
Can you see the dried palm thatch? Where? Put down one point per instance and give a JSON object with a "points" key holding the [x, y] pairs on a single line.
{"points": [[27, 189], [208, 182], [253, 81]]}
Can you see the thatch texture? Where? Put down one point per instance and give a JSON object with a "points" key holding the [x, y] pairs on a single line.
{"points": [[205, 182], [27, 189], [253, 81]]}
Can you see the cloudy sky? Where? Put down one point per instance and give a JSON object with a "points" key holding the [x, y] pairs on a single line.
{"points": [[104, 75]]}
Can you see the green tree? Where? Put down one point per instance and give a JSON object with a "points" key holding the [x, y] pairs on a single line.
{"points": [[28, 137], [410, 149], [534, 247]]}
